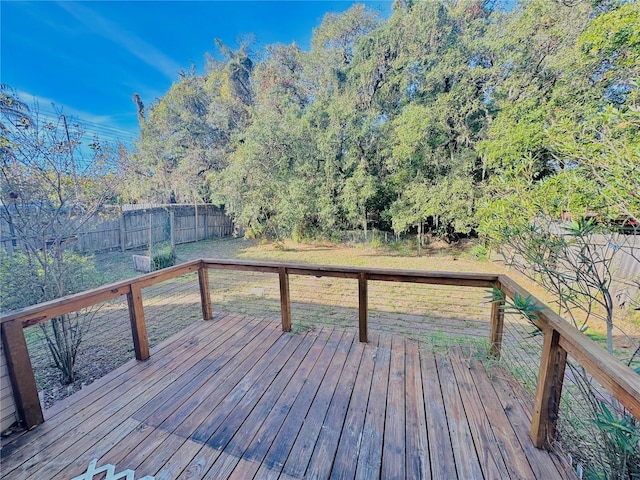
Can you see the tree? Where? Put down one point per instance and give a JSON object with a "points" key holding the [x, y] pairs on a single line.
{"points": [[49, 188]]}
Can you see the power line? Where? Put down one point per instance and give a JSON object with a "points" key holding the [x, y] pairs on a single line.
{"points": [[107, 132]]}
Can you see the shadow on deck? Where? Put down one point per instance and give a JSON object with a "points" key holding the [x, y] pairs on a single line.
{"points": [[237, 398]]}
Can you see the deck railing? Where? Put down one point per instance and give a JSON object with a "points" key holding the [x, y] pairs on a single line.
{"points": [[560, 337]]}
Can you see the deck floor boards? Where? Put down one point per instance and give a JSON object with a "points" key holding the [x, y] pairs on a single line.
{"points": [[237, 398]]}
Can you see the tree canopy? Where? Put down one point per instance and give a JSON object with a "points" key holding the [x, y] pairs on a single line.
{"points": [[452, 116]]}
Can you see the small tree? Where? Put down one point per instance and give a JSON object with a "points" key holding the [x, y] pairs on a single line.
{"points": [[50, 188]]}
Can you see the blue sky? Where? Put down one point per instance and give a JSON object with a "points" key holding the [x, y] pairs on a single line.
{"points": [[90, 57]]}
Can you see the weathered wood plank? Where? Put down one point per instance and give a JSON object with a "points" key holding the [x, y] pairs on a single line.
{"points": [[464, 453], [442, 462], [352, 380], [417, 447], [21, 374], [218, 382], [549, 389], [394, 453], [275, 416], [342, 364], [133, 450], [125, 399], [205, 293], [496, 325], [539, 460], [351, 437], [287, 406], [138, 325], [506, 440], [229, 389], [154, 412], [285, 299], [490, 459], [238, 423], [63, 416], [273, 461], [363, 312], [161, 353], [373, 432]]}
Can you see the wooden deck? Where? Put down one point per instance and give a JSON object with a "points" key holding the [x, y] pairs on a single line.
{"points": [[237, 398]]}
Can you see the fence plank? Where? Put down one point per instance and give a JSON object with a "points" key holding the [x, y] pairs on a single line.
{"points": [[21, 374]]}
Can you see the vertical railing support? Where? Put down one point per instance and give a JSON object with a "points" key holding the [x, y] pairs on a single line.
{"points": [[285, 300], [138, 325], [23, 382], [362, 306], [497, 326], [205, 293], [549, 390]]}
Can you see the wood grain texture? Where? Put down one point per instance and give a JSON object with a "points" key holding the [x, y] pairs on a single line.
{"points": [[205, 293], [363, 308], [238, 398], [138, 325], [496, 326], [549, 389], [21, 375], [285, 299], [617, 378]]}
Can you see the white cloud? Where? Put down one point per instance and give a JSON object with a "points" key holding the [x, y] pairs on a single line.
{"points": [[130, 42]]}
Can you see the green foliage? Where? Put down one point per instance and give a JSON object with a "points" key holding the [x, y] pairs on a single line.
{"points": [[25, 283], [162, 256], [46, 196], [527, 306]]}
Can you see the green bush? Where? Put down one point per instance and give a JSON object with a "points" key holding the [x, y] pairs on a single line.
{"points": [[163, 256]]}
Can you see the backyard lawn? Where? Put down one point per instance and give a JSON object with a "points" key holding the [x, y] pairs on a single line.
{"points": [[438, 316]]}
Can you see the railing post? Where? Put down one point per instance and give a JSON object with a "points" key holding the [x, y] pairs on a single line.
{"points": [[549, 390], [205, 294], [362, 306], [497, 325], [285, 301], [138, 325], [23, 382]]}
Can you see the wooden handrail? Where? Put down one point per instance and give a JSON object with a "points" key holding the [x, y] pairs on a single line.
{"points": [[54, 308], [461, 279], [561, 337], [619, 380]]}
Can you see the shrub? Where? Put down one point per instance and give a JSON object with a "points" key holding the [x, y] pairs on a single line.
{"points": [[163, 256]]}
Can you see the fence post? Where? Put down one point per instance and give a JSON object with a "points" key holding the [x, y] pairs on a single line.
{"points": [[196, 217], [23, 382], [138, 325], [123, 233], [549, 389], [497, 325], [171, 227], [285, 300], [362, 306], [205, 294]]}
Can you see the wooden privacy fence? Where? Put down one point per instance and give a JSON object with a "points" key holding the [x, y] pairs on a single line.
{"points": [[114, 228], [560, 337]]}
